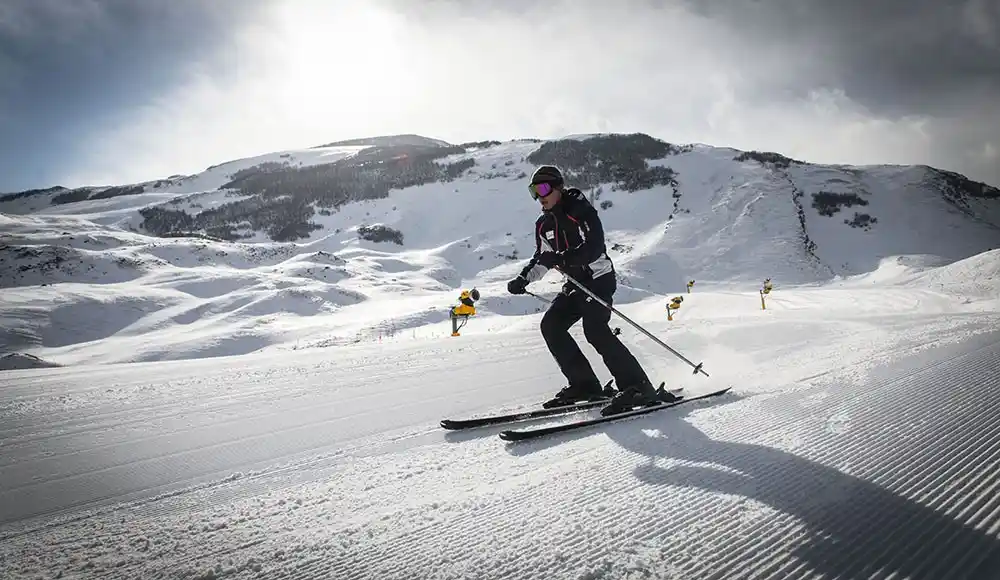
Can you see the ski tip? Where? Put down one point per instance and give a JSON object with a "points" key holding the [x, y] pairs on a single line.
{"points": [[447, 424], [515, 436]]}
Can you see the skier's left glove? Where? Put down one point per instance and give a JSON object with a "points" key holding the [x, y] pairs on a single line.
{"points": [[517, 285], [552, 259]]}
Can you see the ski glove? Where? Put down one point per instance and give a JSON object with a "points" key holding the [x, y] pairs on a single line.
{"points": [[517, 285], [551, 259]]}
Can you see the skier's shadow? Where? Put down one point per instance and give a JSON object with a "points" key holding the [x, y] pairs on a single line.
{"points": [[856, 528]]}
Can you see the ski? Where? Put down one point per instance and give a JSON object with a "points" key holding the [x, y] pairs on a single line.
{"points": [[472, 423], [524, 434], [547, 410], [454, 424]]}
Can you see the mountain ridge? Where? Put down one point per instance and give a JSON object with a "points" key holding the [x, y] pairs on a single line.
{"points": [[332, 245], [412, 139], [297, 196]]}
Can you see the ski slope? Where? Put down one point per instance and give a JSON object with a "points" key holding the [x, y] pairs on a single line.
{"points": [[200, 409], [858, 411]]}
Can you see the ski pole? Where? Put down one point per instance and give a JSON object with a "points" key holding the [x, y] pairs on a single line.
{"points": [[616, 330], [542, 298], [697, 367]]}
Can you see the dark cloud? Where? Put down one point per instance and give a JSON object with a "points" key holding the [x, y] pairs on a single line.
{"points": [[840, 81], [935, 62], [68, 66], [895, 56]]}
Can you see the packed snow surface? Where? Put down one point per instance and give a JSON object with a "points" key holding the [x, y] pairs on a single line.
{"points": [[191, 408], [849, 433]]}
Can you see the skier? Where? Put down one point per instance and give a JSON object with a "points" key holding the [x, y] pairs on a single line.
{"points": [[569, 236]]}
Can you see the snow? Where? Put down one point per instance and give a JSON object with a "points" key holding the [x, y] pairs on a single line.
{"points": [[167, 189], [190, 408], [218, 175]]}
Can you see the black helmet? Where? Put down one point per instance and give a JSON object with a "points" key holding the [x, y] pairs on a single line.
{"points": [[548, 174]]}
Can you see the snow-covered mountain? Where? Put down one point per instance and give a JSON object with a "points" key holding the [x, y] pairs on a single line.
{"points": [[372, 238]]}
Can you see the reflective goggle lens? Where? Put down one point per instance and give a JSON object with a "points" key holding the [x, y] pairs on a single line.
{"points": [[540, 189]]}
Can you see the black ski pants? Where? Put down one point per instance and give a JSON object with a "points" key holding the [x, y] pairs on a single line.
{"points": [[567, 309]]}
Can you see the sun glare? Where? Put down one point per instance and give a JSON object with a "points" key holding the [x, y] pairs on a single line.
{"points": [[345, 58]]}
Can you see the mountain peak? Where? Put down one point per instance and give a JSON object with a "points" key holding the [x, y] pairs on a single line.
{"points": [[410, 140]]}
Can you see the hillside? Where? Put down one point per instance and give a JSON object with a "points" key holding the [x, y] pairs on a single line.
{"points": [[372, 239]]}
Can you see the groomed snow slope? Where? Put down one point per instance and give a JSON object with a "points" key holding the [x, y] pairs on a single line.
{"points": [[861, 436]]}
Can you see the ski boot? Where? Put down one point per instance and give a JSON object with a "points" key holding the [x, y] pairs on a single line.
{"points": [[666, 396], [572, 394], [637, 395]]}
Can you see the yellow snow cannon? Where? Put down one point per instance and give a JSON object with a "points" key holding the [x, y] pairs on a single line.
{"points": [[466, 307]]}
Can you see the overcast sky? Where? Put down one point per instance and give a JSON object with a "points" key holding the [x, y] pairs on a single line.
{"points": [[112, 91]]}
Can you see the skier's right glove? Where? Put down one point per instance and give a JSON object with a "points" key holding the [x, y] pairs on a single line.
{"points": [[517, 285]]}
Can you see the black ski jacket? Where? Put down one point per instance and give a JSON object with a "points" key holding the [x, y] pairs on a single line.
{"points": [[573, 229]]}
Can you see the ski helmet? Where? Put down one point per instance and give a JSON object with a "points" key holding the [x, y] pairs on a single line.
{"points": [[548, 174]]}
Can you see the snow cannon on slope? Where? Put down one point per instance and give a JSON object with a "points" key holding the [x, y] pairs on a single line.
{"points": [[465, 308], [674, 304], [765, 290]]}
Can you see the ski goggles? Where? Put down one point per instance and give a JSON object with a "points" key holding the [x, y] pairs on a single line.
{"points": [[540, 190]]}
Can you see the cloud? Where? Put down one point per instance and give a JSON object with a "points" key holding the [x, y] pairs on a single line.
{"points": [[71, 69], [894, 56], [981, 19], [845, 82]]}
